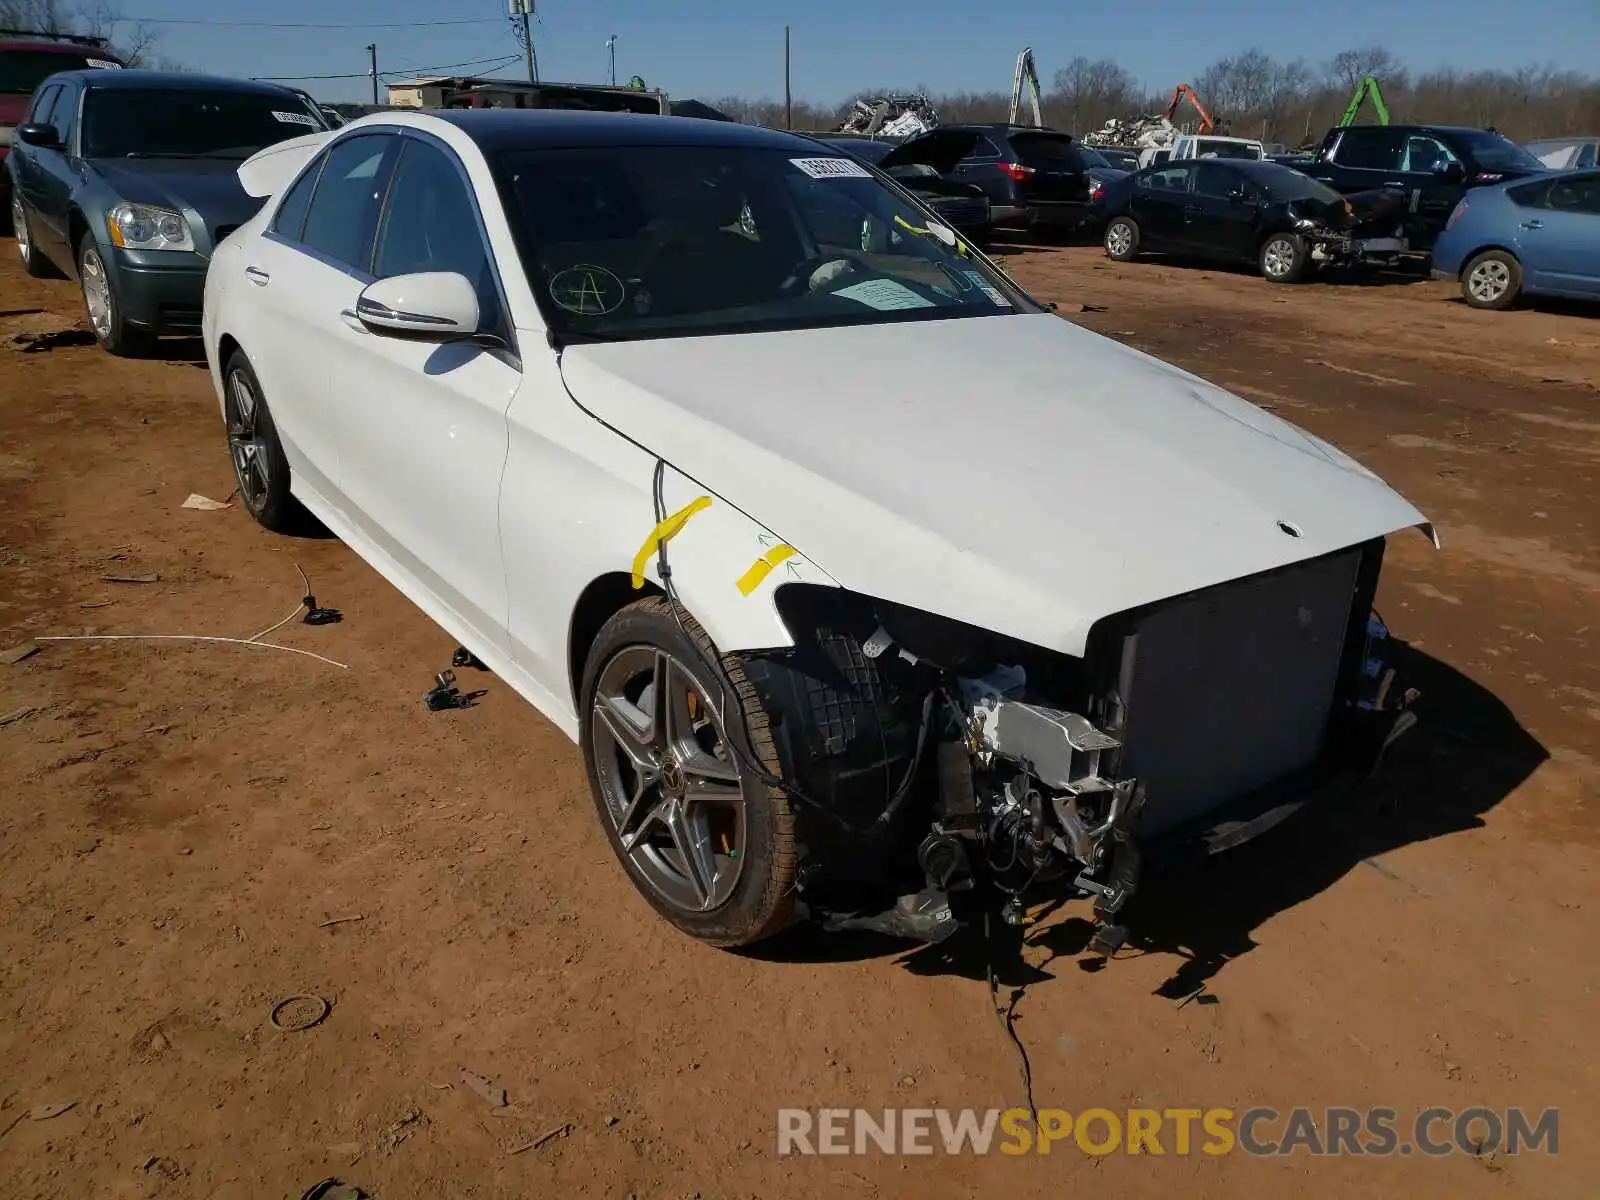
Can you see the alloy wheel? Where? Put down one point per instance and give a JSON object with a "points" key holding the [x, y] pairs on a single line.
{"points": [[1489, 281], [1119, 238], [97, 293], [1279, 259], [669, 778], [246, 443]]}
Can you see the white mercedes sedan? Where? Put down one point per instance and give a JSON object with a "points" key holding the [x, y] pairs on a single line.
{"points": [[872, 591]]}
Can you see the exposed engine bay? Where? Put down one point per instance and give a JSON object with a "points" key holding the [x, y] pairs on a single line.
{"points": [[1364, 227], [940, 770]]}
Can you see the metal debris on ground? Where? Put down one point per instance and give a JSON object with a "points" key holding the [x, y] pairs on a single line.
{"points": [[38, 343], [18, 652], [145, 577], [300, 1012], [446, 695], [491, 1093], [333, 1189], [559, 1131], [329, 924]]}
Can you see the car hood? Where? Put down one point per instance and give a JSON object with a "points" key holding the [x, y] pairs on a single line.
{"points": [[1014, 472], [208, 187]]}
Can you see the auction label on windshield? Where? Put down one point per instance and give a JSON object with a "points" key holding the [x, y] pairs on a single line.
{"points": [[289, 118], [832, 168]]}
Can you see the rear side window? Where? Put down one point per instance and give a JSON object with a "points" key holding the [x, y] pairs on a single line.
{"points": [[1168, 179], [290, 219], [1370, 149], [21, 71], [344, 209], [1047, 152], [1575, 195]]}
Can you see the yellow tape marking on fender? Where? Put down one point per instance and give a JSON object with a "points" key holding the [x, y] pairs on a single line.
{"points": [[665, 532], [763, 566]]}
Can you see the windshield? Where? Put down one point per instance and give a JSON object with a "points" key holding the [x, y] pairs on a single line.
{"points": [[1211, 148], [1495, 152], [1289, 184], [22, 71], [654, 241], [190, 123]]}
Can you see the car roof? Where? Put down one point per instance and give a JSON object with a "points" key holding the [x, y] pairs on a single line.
{"points": [[495, 129], [1400, 127], [76, 49], [133, 81], [1002, 128]]}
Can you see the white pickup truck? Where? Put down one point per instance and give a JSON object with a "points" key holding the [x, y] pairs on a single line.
{"points": [[1202, 146]]}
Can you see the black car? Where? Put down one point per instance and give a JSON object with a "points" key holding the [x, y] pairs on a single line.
{"points": [[921, 166], [126, 181], [1432, 166], [1124, 158], [1248, 211], [1035, 178]]}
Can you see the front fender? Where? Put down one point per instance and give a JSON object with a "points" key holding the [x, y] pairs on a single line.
{"points": [[724, 565]]}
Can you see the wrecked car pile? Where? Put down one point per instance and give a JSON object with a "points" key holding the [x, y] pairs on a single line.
{"points": [[1139, 132], [891, 116]]}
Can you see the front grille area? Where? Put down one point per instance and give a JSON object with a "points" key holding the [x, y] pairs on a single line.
{"points": [[1229, 689]]}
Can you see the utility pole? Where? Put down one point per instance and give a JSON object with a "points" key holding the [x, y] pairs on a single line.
{"points": [[611, 45], [788, 96], [524, 9], [373, 51]]}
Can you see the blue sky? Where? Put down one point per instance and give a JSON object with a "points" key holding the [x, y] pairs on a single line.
{"points": [[712, 48]]}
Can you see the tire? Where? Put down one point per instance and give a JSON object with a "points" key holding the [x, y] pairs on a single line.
{"points": [[36, 265], [260, 468], [1122, 239], [1284, 258], [100, 302], [731, 897], [1492, 279]]}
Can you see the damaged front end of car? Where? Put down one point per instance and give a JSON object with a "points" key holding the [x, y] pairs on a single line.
{"points": [[1366, 227], [939, 771]]}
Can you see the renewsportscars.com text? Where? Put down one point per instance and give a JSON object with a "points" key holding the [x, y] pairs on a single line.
{"points": [[1432, 1132]]}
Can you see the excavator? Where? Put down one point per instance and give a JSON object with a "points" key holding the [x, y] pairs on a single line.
{"points": [[1367, 88], [1207, 124], [1027, 73]]}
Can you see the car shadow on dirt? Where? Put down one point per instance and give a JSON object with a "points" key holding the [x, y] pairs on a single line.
{"points": [[1467, 755]]}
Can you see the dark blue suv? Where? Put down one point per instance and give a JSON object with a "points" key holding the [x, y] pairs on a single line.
{"points": [[1035, 178]]}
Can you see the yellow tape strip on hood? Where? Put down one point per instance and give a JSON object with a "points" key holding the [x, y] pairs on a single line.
{"points": [[665, 532]]}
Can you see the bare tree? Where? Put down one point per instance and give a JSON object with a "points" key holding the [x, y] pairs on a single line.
{"points": [[132, 41], [1089, 92]]}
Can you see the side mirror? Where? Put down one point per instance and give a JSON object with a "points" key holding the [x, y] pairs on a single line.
{"points": [[432, 306], [43, 136], [1452, 172]]}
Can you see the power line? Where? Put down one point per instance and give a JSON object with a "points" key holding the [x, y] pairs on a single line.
{"points": [[487, 64], [305, 25]]}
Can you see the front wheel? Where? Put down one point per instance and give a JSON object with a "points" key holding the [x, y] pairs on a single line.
{"points": [[1122, 239], [1284, 258], [1492, 280], [679, 755], [111, 328]]}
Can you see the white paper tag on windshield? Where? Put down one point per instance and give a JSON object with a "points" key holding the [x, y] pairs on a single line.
{"points": [[996, 296], [103, 64], [883, 294], [289, 118], [832, 168]]}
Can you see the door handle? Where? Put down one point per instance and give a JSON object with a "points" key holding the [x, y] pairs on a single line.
{"points": [[1534, 224], [348, 316], [257, 276]]}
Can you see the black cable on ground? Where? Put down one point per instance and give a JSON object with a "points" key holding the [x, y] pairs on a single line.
{"points": [[1003, 1016]]}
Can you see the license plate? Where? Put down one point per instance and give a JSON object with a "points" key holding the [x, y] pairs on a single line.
{"points": [[1383, 246]]}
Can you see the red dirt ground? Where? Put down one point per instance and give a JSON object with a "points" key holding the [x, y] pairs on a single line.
{"points": [[178, 821]]}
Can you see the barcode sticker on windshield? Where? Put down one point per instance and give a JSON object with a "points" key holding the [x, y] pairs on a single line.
{"points": [[289, 118], [103, 64], [832, 168]]}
